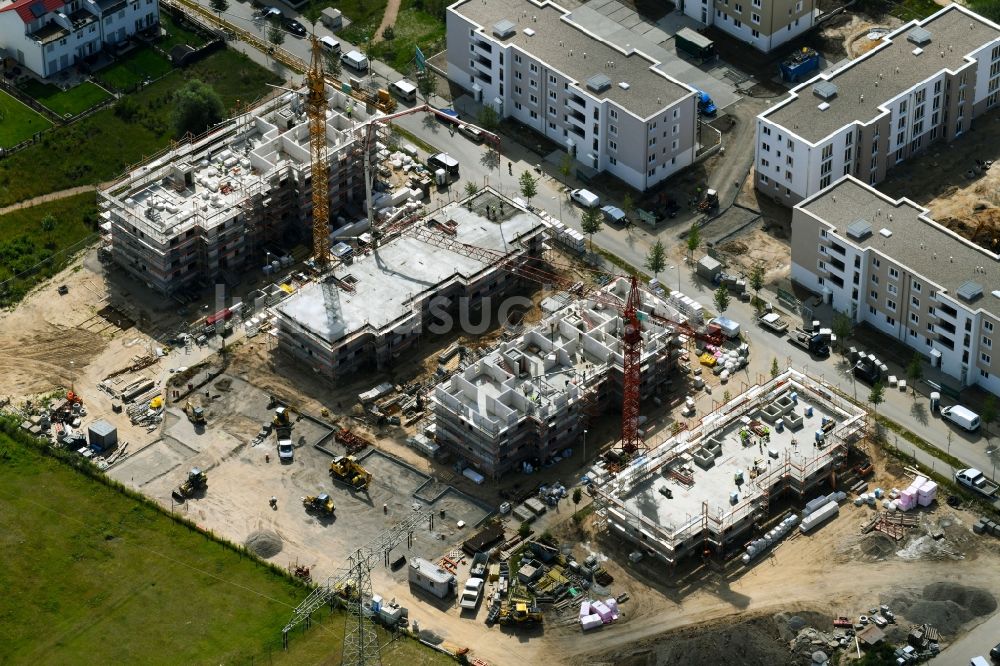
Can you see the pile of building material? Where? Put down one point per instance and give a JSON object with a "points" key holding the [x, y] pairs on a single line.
{"points": [[594, 614], [819, 516], [560, 233], [986, 526], [758, 546]]}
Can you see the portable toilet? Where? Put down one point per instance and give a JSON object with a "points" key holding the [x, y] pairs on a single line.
{"points": [[935, 401]]}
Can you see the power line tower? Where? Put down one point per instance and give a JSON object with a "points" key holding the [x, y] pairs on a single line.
{"points": [[316, 105], [354, 583]]}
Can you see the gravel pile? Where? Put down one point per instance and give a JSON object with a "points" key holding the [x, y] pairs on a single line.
{"points": [[946, 606], [749, 643], [264, 543]]}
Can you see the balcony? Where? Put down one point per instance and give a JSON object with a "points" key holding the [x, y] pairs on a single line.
{"points": [[576, 103], [48, 33], [482, 65]]}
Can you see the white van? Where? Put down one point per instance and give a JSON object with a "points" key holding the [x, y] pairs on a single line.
{"points": [[404, 90], [356, 60], [961, 416], [585, 198], [443, 161], [330, 44]]}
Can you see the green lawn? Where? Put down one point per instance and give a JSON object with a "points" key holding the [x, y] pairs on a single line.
{"points": [[177, 34], [92, 575], [66, 103], [100, 147], [133, 68], [414, 27], [18, 122], [908, 10], [24, 243], [988, 8]]}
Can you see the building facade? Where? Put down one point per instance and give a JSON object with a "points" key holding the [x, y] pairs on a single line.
{"points": [[612, 111], [886, 263], [763, 24], [924, 84], [48, 36]]}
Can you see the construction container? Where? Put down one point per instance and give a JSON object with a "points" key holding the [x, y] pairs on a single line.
{"points": [[102, 436], [695, 45], [431, 577], [799, 65]]}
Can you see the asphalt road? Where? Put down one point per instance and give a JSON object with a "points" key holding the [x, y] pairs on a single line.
{"points": [[977, 642]]}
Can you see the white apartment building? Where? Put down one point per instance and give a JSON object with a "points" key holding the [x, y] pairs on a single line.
{"points": [[924, 83], [887, 263], [763, 24], [47, 36], [610, 109]]}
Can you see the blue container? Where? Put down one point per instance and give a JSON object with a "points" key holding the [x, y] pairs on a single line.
{"points": [[799, 65]]}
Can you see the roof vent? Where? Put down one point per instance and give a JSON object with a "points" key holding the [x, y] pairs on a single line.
{"points": [[884, 233], [504, 29], [624, 85], [970, 291], [823, 106], [917, 51], [598, 83], [859, 229], [825, 90], [919, 36], [529, 32]]}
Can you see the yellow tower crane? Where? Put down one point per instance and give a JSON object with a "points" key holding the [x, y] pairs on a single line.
{"points": [[320, 169]]}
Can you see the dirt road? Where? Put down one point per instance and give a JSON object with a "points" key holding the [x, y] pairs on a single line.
{"points": [[51, 196], [388, 18]]}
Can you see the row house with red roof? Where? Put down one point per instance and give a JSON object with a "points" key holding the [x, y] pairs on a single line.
{"points": [[48, 36]]}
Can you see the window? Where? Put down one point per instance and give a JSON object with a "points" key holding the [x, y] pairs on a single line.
{"points": [[914, 301], [756, 3], [737, 23], [534, 68], [987, 342], [824, 181], [533, 98], [534, 115], [876, 263], [613, 129], [552, 111], [755, 18], [738, 8], [533, 83], [552, 79], [675, 129], [552, 126], [914, 318], [915, 286], [766, 147], [517, 90], [613, 114], [913, 333], [652, 158], [613, 161], [988, 325], [788, 160], [902, 106], [517, 105], [651, 172], [764, 163], [984, 374], [763, 179], [891, 288], [874, 295], [849, 139], [847, 155], [517, 75], [613, 145], [893, 273], [985, 358], [673, 145], [798, 6], [890, 320], [553, 94], [652, 142], [767, 131], [827, 152]]}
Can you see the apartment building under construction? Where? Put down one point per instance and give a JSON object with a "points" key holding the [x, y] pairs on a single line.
{"points": [[208, 209], [531, 397], [371, 309], [707, 487]]}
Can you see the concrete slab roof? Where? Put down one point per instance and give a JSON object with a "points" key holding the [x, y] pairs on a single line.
{"points": [[566, 47], [916, 240], [885, 72]]}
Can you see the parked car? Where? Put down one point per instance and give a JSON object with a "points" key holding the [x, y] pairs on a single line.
{"points": [[614, 215], [294, 27], [286, 452], [961, 416], [267, 13], [585, 198], [330, 44]]}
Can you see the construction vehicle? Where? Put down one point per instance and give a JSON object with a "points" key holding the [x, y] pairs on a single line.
{"points": [[520, 615], [347, 470], [195, 413], [197, 480], [320, 503], [281, 419], [813, 343], [710, 201]]}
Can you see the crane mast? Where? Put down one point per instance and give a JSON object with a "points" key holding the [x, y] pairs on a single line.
{"points": [[316, 105]]}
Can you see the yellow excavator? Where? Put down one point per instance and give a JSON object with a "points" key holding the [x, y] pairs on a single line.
{"points": [[195, 414], [521, 615], [347, 470], [320, 503], [197, 480]]}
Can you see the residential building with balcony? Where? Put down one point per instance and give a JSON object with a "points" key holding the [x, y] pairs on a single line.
{"points": [[925, 83], [885, 262], [48, 36], [763, 24], [613, 111]]}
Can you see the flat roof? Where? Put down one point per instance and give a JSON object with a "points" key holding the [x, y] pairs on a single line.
{"points": [[387, 281], [556, 37], [916, 240], [885, 72]]}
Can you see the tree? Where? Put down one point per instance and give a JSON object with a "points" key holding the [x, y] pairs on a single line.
{"points": [[566, 165], [722, 298], [389, 33], [524, 530], [196, 108], [656, 260], [591, 223], [311, 14], [488, 118], [842, 328], [775, 368], [333, 65], [876, 397], [275, 35], [914, 371], [989, 413], [48, 223], [426, 83], [471, 189], [693, 239], [220, 6], [528, 186], [757, 278], [577, 496], [628, 207]]}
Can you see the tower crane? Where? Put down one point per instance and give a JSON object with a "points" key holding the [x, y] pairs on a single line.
{"points": [[316, 106], [354, 583]]}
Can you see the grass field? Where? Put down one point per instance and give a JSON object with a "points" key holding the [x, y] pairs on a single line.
{"points": [[18, 122], [24, 243], [988, 8], [177, 34], [66, 103], [100, 147], [415, 26], [133, 68], [92, 575]]}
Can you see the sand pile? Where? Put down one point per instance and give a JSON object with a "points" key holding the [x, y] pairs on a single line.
{"points": [[264, 543], [946, 606]]}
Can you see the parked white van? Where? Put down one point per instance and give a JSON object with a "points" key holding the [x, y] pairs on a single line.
{"points": [[404, 90], [330, 44], [961, 416], [356, 60], [585, 198]]}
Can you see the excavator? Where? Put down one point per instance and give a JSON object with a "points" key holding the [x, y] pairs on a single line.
{"points": [[347, 470], [521, 615], [197, 480], [320, 503], [195, 413]]}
